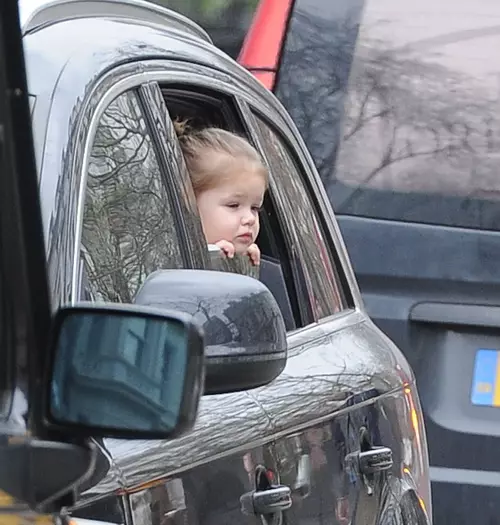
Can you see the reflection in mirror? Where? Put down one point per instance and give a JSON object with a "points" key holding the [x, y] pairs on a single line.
{"points": [[120, 371], [239, 263]]}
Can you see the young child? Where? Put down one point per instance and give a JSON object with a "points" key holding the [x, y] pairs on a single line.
{"points": [[229, 182]]}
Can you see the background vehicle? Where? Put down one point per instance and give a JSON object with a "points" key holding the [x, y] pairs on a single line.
{"points": [[118, 214], [398, 103]]}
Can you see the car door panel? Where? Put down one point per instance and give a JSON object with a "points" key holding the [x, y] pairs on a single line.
{"points": [[201, 476], [208, 494], [325, 407]]}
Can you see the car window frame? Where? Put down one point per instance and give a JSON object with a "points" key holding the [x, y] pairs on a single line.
{"points": [[244, 88], [145, 94]]}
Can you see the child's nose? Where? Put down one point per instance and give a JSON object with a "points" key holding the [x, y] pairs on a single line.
{"points": [[249, 217]]}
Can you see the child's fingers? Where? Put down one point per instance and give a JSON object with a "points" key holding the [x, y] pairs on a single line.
{"points": [[227, 247], [254, 254]]}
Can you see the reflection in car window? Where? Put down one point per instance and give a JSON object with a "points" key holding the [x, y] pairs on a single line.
{"points": [[133, 340], [128, 228], [321, 279], [420, 134]]}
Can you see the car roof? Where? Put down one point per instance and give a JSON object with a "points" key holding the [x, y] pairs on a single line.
{"points": [[36, 14], [99, 34]]}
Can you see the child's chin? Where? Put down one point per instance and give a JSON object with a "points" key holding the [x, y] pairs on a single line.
{"points": [[241, 247]]}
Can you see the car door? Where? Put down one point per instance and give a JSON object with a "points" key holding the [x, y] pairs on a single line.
{"points": [[343, 398]]}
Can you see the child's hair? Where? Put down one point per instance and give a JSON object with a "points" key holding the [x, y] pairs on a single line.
{"points": [[202, 151]]}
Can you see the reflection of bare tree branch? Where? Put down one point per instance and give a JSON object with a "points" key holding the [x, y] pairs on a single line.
{"points": [[403, 117], [128, 227], [363, 119]]}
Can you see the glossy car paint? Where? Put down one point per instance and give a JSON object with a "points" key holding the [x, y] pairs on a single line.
{"points": [[342, 373]]}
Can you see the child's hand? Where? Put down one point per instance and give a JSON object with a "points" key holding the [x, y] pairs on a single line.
{"points": [[254, 253], [227, 248]]}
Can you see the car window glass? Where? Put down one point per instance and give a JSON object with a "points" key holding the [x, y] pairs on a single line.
{"points": [[307, 236], [128, 227], [418, 140]]}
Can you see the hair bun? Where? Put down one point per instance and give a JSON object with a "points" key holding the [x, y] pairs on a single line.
{"points": [[182, 128]]}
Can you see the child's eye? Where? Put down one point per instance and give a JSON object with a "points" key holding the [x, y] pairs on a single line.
{"points": [[233, 205], [257, 209]]}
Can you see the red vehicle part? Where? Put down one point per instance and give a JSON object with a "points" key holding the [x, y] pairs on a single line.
{"points": [[261, 49]]}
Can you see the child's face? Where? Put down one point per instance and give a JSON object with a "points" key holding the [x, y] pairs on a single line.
{"points": [[230, 211]]}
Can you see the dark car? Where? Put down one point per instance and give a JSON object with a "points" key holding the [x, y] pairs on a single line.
{"points": [[320, 425], [398, 104]]}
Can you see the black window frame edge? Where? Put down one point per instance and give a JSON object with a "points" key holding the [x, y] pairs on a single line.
{"points": [[23, 227]]}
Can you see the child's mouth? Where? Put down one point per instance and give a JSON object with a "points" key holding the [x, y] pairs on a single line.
{"points": [[245, 237]]}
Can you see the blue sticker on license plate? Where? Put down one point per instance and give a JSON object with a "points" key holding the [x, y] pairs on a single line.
{"points": [[486, 378]]}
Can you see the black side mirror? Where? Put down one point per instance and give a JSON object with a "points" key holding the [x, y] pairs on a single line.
{"points": [[245, 334], [124, 371]]}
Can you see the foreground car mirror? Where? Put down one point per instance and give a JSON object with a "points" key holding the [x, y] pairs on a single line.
{"points": [[245, 334], [124, 371]]}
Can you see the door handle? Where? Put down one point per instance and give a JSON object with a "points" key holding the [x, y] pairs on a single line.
{"points": [[366, 463], [377, 459], [275, 499]]}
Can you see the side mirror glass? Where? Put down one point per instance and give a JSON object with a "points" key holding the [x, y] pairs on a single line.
{"points": [[125, 371]]}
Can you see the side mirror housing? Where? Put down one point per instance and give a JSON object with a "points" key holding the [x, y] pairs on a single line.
{"points": [[245, 335], [123, 371]]}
